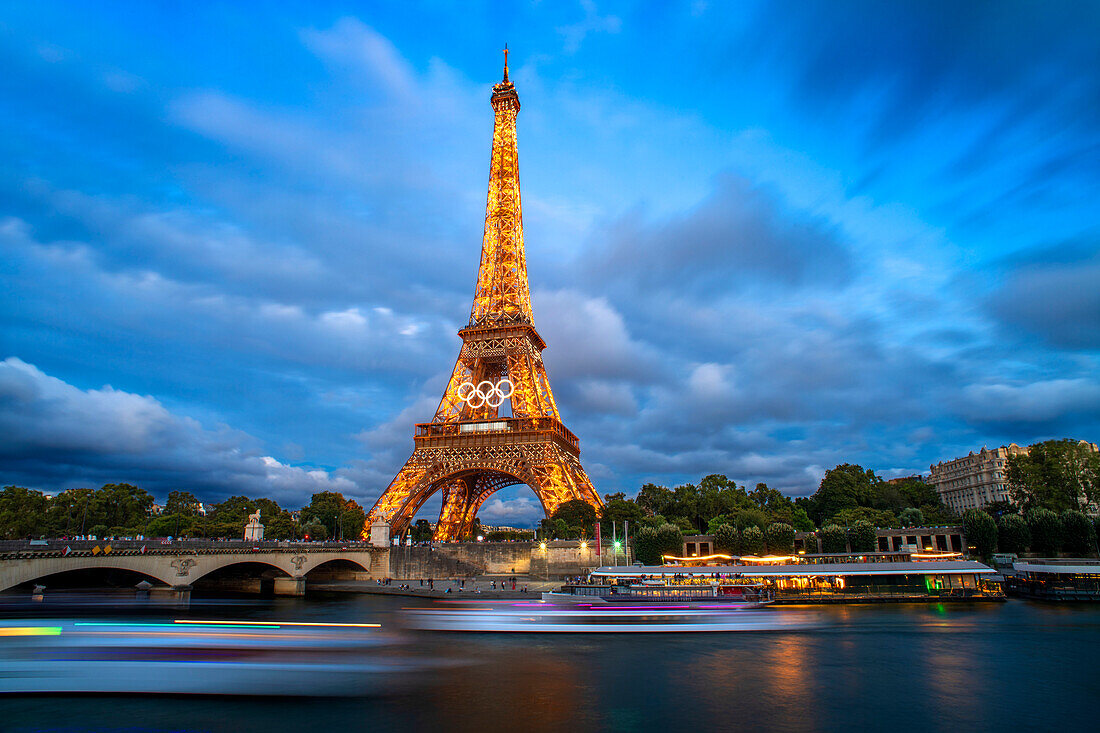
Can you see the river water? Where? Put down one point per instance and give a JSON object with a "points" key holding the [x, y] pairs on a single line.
{"points": [[1011, 666]]}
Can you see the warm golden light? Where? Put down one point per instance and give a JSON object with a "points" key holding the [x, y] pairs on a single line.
{"points": [[694, 558], [468, 451], [768, 558]]}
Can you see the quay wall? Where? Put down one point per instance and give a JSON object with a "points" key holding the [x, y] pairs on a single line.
{"points": [[558, 559]]}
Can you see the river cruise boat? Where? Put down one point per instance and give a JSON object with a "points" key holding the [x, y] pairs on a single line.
{"points": [[672, 588], [1054, 579], [795, 582]]}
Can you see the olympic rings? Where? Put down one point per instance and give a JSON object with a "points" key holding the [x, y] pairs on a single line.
{"points": [[485, 393]]}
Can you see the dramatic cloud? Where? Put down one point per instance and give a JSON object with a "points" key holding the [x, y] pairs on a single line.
{"points": [[1057, 300], [823, 238], [50, 426]]}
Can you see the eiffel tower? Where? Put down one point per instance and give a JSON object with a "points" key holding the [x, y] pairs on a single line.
{"points": [[470, 450]]}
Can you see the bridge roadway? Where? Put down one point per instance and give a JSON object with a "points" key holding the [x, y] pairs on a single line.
{"points": [[178, 565]]}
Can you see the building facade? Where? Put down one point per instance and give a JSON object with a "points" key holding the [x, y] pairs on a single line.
{"points": [[978, 479], [974, 480]]}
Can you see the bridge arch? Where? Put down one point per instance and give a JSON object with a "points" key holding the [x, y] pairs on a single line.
{"points": [[69, 577], [239, 565], [24, 570]]}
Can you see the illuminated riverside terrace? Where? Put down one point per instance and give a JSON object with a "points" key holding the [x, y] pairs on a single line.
{"points": [[885, 577]]}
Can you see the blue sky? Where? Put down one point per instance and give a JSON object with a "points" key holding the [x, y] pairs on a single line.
{"points": [[237, 240]]}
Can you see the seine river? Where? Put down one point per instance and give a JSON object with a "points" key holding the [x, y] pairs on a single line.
{"points": [[1011, 666]]}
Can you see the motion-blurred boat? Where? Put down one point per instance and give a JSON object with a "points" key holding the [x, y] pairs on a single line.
{"points": [[581, 618], [197, 657]]}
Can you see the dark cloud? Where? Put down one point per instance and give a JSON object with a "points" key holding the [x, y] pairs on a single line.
{"points": [[1053, 295], [742, 234], [920, 58], [59, 436]]}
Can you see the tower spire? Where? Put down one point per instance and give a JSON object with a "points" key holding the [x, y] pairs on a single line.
{"points": [[503, 293]]}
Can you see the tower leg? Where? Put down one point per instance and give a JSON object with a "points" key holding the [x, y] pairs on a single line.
{"points": [[398, 504], [452, 515]]}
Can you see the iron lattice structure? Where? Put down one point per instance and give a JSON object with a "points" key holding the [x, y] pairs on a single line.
{"points": [[469, 450]]}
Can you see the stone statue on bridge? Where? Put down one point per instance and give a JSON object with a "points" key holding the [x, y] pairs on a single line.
{"points": [[254, 530]]}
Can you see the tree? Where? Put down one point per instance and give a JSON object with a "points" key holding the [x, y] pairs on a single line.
{"points": [[834, 539], [981, 531], [1078, 534], [561, 529], [69, 511], [1013, 534], [846, 486], [577, 513], [746, 518], [874, 517], [618, 509], [800, 520], [646, 546], [911, 517], [780, 538], [727, 540], [862, 536], [352, 520], [671, 540], [916, 493], [325, 508], [123, 505], [650, 544], [22, 513], [1055, 475], [752, 541], [315, 531], [281, 526], [997, 508], [1046, 530], [654, 499], [181, 502], [170, 525], [422, 530]]}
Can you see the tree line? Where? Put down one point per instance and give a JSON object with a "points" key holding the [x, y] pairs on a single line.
{"points": [[125, 510], [848, 494]]}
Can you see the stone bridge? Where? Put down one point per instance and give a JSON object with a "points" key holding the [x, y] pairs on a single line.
{"points": [[181, 564]]}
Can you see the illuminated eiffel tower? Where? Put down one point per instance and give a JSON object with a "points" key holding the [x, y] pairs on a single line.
{"points": [[469, 450]]}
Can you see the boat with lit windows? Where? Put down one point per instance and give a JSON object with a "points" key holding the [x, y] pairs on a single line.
{"points": [[731, 593], [798, 580]]}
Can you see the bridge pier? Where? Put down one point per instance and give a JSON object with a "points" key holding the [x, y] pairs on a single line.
{"points": [[178, 595], [290, 586]]}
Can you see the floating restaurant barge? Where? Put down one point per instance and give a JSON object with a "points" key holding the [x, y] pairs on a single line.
{"points": [[809, 579], [1054, 579]]}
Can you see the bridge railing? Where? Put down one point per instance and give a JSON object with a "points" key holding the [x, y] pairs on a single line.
{"points": [[19, 549]]}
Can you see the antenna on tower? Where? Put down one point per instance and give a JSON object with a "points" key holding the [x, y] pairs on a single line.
{"points": [[505, 62]]}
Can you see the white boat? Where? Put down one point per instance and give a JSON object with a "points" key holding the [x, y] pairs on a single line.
{"points": [[580, 618]]}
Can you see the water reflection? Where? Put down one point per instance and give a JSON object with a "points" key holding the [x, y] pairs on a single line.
{"points": [[863, 667]]}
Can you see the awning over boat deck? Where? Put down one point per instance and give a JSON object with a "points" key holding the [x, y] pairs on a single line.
{"points": [[1027, 567], [953, 567]]}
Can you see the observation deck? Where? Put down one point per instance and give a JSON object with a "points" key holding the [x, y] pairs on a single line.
{"points": [[499, 431]]}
